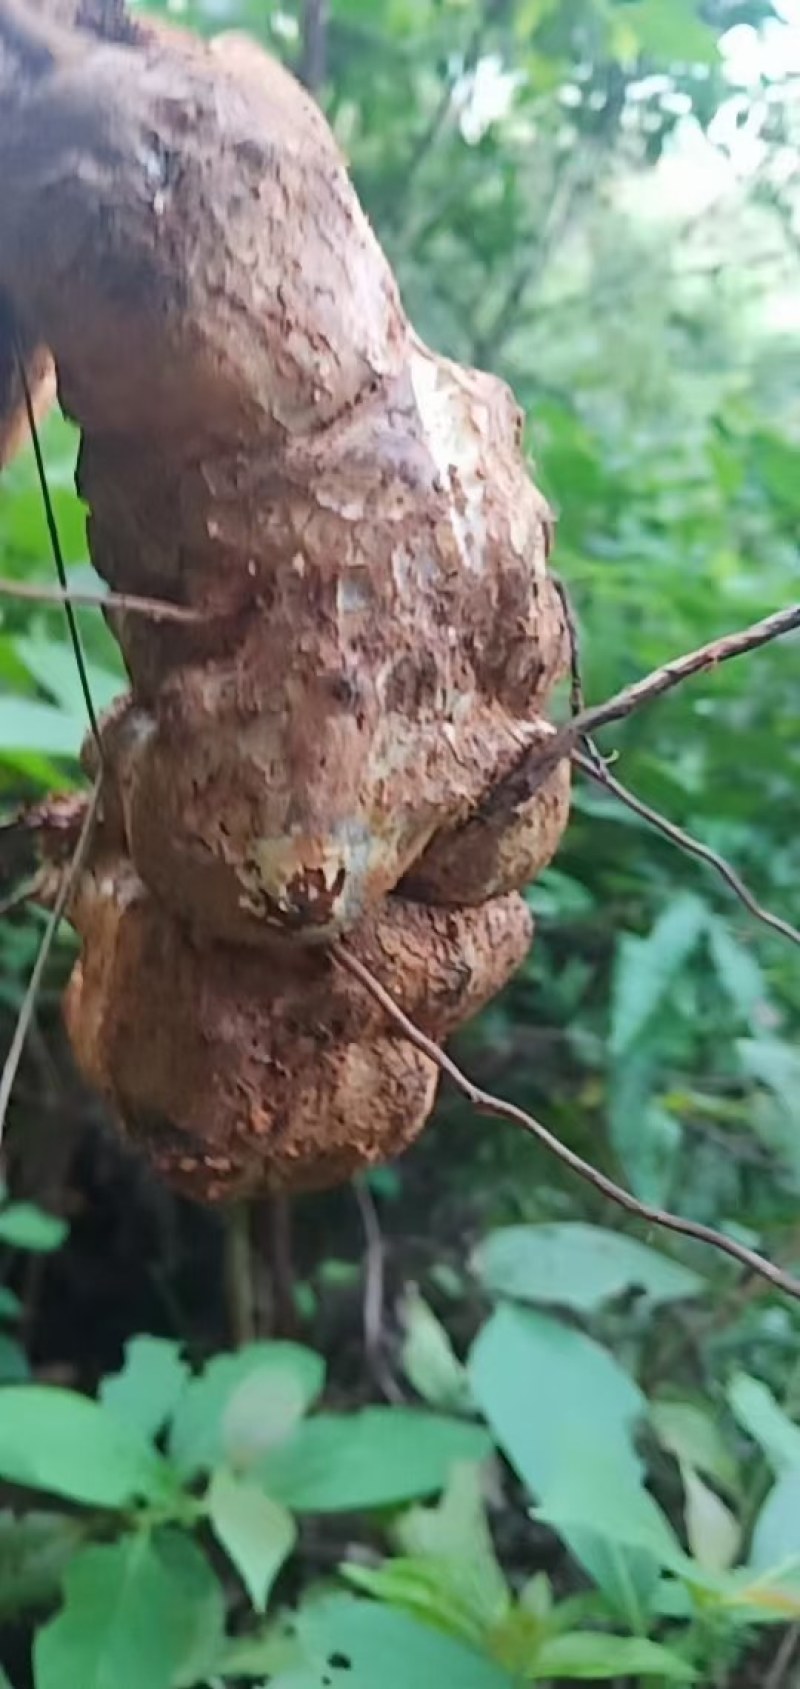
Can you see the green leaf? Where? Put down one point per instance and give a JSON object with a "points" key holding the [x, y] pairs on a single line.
{"points": [[591, 1654], [54, 1440], [712, 1532], [51, 663], [644, 1136], [738, 970], [198, 1433], [145, 1612], [351, 1644], [10, 1305], [429, 1360], [149, 1384], [646, 968], [256, 1533], [27, 725], [776, 1533], [606, 1497], [22, 1226], [532, 1378], [262, 1412], [448, 1575], [428, 1591], [578, 1265], [455, 1532], [693, 1435], [377, 1458], [775, 1065], [761, 1416]]}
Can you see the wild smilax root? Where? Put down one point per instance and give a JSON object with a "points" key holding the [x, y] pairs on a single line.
{"points": [[265, 440]]}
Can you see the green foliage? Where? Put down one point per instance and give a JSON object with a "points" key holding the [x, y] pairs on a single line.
{"points": [[144, 1611], [578, 1266], [59, 1442], [519, 163]]}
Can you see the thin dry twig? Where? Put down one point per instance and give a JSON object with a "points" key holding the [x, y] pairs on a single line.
{"points": [[597, 770], [158, 608], [778, 1673], [55, 543], [577, 701], [68, 880], [484, 1102], [536, 764], [374, 1258], [314, 67], [678, 669]]}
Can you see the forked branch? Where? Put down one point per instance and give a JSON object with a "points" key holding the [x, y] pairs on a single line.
{"points": [[535, 765]]}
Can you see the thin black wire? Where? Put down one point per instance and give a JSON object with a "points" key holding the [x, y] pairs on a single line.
{"points": [[55, 542]]}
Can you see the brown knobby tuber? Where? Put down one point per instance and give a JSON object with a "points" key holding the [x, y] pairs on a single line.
{"points": [[266, 440]]}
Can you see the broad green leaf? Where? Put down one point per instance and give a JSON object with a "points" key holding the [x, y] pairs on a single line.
{"points": [[694, 1436], [578, 1265], [262, 1412], [380, 1457], [603, 1494], [145, 1612], [51, 663], [712, 1532], [646, 968], [766, 1422], [532, 1378], [23, 1226], [256, 1533], [10, 1305], [644, 1136], [594, 1655], [54, 1440], [197, 1435], [776, 1533], [27, 725], [738, 970], [149, 1384], [352, 1644], [429, 1360]]}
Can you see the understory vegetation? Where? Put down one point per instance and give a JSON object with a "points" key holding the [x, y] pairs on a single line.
{"points": [[463, 1423]]}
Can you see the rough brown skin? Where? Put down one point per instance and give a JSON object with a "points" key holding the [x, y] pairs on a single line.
{"points": [[266, 439], [267, 1068]]}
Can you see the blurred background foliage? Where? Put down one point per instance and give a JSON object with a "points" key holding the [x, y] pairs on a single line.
{"points": [[598, 200]]}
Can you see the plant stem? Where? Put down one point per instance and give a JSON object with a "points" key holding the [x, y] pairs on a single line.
{"points": [[239, 1274]]}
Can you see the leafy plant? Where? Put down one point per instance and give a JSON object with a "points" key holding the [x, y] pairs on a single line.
{"points": [[239, 1461]]}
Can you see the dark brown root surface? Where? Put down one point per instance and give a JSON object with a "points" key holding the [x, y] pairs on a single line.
{"points": [[266, 440]]}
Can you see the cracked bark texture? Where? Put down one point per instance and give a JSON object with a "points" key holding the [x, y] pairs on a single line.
{"points": [[266, 439]]}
